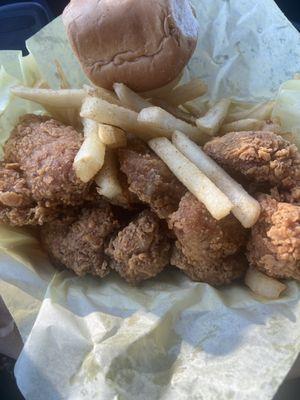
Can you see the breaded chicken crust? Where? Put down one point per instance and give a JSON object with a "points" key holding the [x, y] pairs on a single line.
{"points": [[45, 150], [141, 250], [274, 246], [261, 157], [78, 240], [207, 250], [150, 179], [17, 208]]}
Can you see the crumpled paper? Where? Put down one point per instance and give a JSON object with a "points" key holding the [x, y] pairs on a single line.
{"points": [[170, 338]]}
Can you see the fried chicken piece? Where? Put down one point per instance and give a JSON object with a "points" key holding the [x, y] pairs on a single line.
{"points": [[141, 250], [207, 250], [285, 196], [150, 179], [17, 207], [274, 246], [45, 150], [78, 240], [260, 157]]}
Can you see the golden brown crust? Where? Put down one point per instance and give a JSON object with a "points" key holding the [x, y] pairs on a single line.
{"points": [[17, 208], [151, 180], [77, 240], [141, 250], [261, 157], [206, 250], [274, 246], [219, 273], [137, 42], [45, 150]]}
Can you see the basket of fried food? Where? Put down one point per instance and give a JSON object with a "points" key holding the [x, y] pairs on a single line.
{"points": [[138, 183]]}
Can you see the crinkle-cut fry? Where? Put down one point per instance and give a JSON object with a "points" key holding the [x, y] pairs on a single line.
{"points": [[106, 113], [216, 202], [129, 98], [186, 92], [198, 110], [163, 91], [157, 118], [107, 179], [102, 93], [90, 158], [263, 285], [242, 125], [64, 83], [175, 111], [63, 98], [211, 122], [111, 136], [261, 111], [246, 209]]}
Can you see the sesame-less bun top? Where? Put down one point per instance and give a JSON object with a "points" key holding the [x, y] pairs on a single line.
{"points": [[142, 43]]}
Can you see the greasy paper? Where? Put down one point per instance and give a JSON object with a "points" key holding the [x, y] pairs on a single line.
{"points": [[169, 338]]}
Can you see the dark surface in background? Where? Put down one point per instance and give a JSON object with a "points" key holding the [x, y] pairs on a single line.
{"points": [[8, 389], [56, 6]]}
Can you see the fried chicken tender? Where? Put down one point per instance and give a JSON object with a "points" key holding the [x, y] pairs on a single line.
{"points": [[150, 179], [17, 207], [45, 150], [274, 246], [78, 240], [207, 250], [260, 157], [141, 250]]}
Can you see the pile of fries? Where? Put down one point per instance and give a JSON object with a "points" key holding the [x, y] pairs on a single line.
{"points": [[174, 128]]}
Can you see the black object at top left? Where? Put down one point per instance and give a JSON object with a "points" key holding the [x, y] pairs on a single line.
{"points": [[20, 20]]}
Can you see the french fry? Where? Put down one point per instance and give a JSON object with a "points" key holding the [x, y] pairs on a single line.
{"points": [[90, 157], [72, 118], [246, 209], [175, 111], [260, 111], [63, 98], [68, 116], [110, 114], [211, 122], [107, 179], [157, 118], [64, 83], [129, 98], [242, 125], [216, 202], [186, 92], [162, 91], [102, 93], [111, 136], [197, 111], [263, 285]]}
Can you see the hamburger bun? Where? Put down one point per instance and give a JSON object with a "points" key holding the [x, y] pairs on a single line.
{"points": [[141, 43]]}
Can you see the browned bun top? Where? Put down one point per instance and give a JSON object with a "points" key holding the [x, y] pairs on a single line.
{"points": [[142, 43]]}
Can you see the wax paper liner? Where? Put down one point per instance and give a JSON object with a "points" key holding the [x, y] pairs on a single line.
{"points": [[169, 338]]}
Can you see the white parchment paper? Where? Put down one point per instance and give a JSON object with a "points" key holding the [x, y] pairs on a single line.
{"points": [[170, 338]]}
